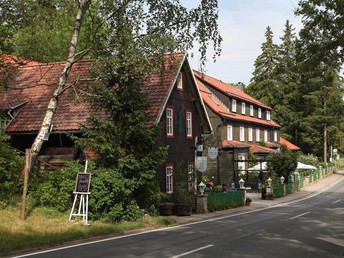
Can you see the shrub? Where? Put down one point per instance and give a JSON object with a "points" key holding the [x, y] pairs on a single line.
{"points": [[11, 165]]}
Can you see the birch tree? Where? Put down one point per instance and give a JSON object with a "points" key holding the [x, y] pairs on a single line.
{"points": [[82, 7]]}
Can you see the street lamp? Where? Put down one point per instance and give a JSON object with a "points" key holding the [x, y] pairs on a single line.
{"points": [[241, 183], [282, 179], [201, 188], [269, 181]]}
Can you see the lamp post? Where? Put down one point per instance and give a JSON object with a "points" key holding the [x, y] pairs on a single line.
{"points": [[201, 188], [241, 183], [269, 188], [283, 185], [202, 199], [269, 181], [242, 188]]}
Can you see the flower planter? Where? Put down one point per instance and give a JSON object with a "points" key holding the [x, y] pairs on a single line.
{"points": [[270, 198], [248, 203], [184, 209], [166, 209]]}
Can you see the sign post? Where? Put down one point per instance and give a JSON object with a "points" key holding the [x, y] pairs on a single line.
{"points": [[82, 190]]}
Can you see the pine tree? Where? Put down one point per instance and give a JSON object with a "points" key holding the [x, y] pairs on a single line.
{"points": [[321, 52], [263, 83], [285, 112]]}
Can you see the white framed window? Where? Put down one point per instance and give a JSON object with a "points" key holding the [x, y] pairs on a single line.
{"points": [[251, 110], [242, 133], [250, 134], [265, 136], [257, 135], [268, 115], [229, 132], [188, 117], [191, 175], [169, 122], [259, 113], [233, 105], [275, 136], [242, 164], [169, 178], [180, 81], [243, 108]]}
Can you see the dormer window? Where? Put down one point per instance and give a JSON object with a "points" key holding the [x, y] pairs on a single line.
{"points": [[233, 105], [180, 82], [259, 113], [243, 108], [251, 110], [268, 115]]}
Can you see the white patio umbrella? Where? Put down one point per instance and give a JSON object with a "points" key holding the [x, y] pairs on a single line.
{"points": [[304, 166], [257, 167]]}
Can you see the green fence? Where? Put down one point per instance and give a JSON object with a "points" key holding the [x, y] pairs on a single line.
{"points": [[278, 191], [221, 201]]}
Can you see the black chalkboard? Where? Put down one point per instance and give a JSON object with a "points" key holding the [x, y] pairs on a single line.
{"points": [[83, 182]]}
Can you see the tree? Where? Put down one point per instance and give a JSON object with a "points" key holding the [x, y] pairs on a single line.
{"points": [[321, 42], [323, 24], [282, 163], [285, 110], [263, 84], [53, 103], [138, 33]]}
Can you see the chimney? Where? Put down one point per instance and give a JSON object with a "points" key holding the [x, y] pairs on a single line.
{"points": [[240, 86]]}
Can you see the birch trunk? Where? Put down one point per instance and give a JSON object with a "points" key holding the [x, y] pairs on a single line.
{"points": [[53, 103]]}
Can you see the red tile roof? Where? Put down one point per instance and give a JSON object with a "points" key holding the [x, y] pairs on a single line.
{"points": [[289, 145], [218, 107], [17, 61], [228, 89], [34, 85], [261, 149], [233, 144]]}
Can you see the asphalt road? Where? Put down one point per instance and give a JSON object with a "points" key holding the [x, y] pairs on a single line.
{"points": [[310, 227]]}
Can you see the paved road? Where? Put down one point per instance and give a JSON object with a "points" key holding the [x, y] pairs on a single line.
{"points": [[310, 227]]}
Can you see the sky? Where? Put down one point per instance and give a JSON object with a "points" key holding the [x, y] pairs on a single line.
{"points": [[242, 25]]}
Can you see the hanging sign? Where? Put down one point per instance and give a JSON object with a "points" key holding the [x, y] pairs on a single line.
{"points": [[202, 163], [213, 152]]}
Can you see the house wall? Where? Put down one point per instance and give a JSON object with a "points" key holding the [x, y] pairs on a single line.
{"points": [[181, 147]]}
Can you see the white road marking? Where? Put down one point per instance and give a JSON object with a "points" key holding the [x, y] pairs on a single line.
{"points": [[300, 215], [192, 251], [336, 201]]}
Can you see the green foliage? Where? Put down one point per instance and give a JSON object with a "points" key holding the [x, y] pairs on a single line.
{"points": [[55, 188], [181, 194], [11, 165], [308, 159], [282, 163], [263, 83]]}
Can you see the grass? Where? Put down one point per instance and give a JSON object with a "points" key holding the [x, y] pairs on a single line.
{"points": [[45, 228]]}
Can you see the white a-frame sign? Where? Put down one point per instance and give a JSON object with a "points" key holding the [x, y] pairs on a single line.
{"points": [[82, 191]]}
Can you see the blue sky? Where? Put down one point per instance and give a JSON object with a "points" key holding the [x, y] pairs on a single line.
{"points": [[242, 25]]}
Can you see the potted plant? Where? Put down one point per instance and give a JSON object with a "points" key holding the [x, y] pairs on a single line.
{"points": [[270, 196], [248, 201], [166, 206]]}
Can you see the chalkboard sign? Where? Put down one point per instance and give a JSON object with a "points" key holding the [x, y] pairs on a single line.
{"points": [[83, 182]]}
